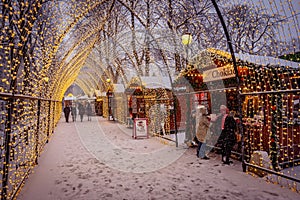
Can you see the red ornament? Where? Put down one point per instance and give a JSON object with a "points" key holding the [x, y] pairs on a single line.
{"points": [[272, 140]]}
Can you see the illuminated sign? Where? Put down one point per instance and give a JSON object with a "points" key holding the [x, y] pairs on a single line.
{"points": [[218, 73], [180, 89]]}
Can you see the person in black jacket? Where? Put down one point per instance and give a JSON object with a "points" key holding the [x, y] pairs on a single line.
{"points": [[229, 138], [67, 111], [218, 126]]}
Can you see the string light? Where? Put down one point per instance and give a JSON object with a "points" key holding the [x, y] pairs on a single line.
{"points": [[46, 45]]}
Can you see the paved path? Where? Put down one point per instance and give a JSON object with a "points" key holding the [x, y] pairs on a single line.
{"points": [[98, 159]]}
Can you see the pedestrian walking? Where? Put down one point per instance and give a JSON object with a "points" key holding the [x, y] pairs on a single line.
{"points": [[67, 111], [81, 111], [89, 111], [229, 138], [74, 113], [202, 130], [218, 125]]}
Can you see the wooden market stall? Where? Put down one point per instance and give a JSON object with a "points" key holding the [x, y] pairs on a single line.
{"points": [[151, 98], [119, 103], [269, 96], [99, 102], [69, 100]]}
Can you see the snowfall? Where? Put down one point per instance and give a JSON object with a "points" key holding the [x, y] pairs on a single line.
{"points": [[99, 159]]}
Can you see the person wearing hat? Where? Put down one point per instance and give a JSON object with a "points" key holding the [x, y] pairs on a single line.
{"points": [[229, 138], [202, 129], [218, 125]]}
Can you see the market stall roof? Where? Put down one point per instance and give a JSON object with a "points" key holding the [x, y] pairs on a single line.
{"points": [[154, 82], [266, 60], [119, 88], [255, 59], [72, 98], [98, 93], [85, 97]]}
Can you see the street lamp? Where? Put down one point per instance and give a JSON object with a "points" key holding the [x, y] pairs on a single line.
{"points": [[109, 100], [186, 39]]}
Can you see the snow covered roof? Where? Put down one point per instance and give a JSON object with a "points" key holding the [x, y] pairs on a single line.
{"points": [[254, 59], [83, 97], [98, 93], [156, 82], [69, 98], [119, 88], [266, 60]]}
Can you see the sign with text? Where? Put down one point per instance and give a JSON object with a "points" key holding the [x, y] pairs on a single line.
{"points": [[180, 88], [218, 73], [140, 128]]}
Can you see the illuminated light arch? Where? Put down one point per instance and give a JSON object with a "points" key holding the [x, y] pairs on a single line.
{"points": [[77, 63], [89, 80], [52, 51], [136, 67], [97, 69], [94, 66], [61, 37], [76, 45], [83, 85]]}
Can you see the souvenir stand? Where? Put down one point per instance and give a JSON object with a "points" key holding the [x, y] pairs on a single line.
{"points": [[69, 100], [135, 99], [270, 108], [191, 92], [159, 105], [152, 100], [119, 104], [99, 102], [270, 119]]}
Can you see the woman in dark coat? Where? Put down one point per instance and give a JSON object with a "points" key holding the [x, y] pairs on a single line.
{"points": [[229, 138], [67, 111]]}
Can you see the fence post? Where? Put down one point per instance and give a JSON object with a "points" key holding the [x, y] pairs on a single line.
{"points": [[49, 121], [229, 43], [37, 132], [7, 147]]}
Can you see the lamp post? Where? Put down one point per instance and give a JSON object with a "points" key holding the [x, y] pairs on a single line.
{"points": [[186, 40], [109, 99]]}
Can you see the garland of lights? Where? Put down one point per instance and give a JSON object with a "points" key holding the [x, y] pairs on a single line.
{"points": [[35, 47], [273, 136], [268, 79]]}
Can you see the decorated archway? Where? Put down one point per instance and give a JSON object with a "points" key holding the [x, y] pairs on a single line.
{"points": [[47, 46]]}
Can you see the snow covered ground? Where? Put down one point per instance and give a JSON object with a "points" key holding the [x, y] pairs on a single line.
{"points": [[99, 159]]}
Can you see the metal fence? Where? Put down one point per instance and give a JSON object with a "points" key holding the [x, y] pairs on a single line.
{"points": [[271, 120], [27, 124]]}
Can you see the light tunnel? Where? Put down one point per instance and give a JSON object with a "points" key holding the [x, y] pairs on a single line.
{"points": [[244, 54]]}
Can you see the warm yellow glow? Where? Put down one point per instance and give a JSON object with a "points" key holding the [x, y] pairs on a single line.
{"points": [[186, 39], [44, 49]]}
